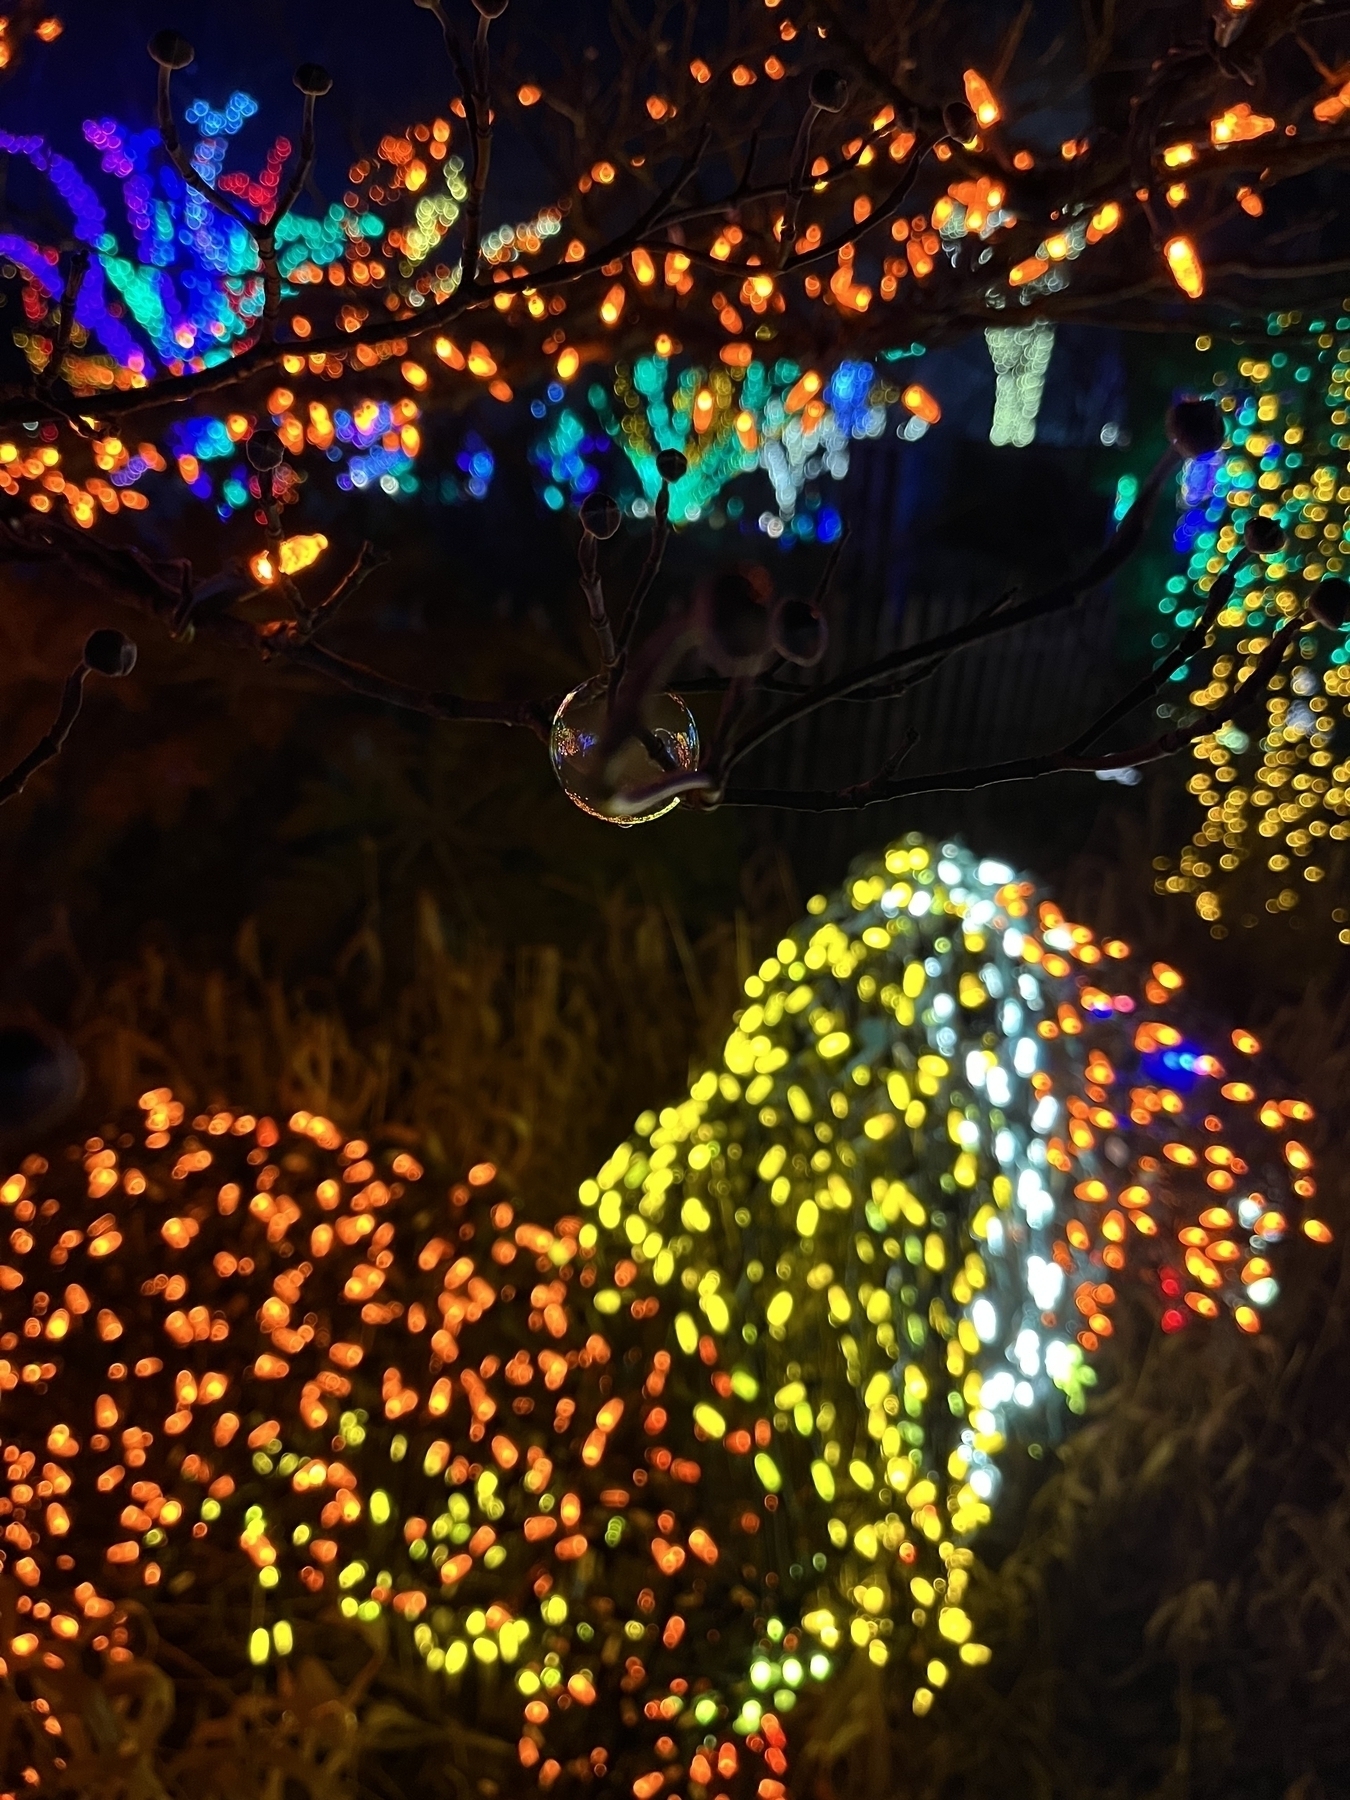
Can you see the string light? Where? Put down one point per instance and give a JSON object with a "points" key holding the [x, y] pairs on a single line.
{"points": [[1185, 265], [676, 1455]]}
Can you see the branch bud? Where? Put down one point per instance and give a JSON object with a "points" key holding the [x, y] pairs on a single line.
{"points": [[671, 464], [171, 50], [265, 451], [108, 652], [829, 91], [960, 122], [1195, 427], [313, 79], [1330, 604], [600, 515], [1263, 536]]}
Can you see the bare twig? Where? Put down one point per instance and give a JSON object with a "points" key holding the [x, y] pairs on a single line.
{"points": [[588, 559], [105, 653], [478, 102], [49, 744], [368, 559], [134, 579], [1025, 768], [651, 568], [1162, 671], [305, 167], [472, 75], [299, 649], [178, 156], [997, 620], [70, 294]]}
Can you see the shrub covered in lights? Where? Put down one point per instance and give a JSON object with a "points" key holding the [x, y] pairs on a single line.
{"points": [[178, 292], [791, 423], [1277, 794], [636, 1473]]}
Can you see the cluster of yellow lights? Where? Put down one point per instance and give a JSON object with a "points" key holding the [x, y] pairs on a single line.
{"points": [[1284, 794], [634, 1477]]}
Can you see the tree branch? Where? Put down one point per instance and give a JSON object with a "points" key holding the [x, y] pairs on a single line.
{"points": [[105, 653], [295, 647], [1025, 768], [1180, 653], [989, 624], [133, 579], [70, 294], [588, 560]]}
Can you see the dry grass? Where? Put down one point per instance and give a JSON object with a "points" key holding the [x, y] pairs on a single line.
{"points": [[530, 1058]]}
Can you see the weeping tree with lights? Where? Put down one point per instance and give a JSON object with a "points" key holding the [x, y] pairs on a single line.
{"points": [[609, 1495], [766, 212]]}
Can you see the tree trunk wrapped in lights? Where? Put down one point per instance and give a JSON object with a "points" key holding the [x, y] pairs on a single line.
{"points": [[636, 1476]]}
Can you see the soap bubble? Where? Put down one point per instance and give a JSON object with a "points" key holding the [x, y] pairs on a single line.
{"points": [[664, 743]]}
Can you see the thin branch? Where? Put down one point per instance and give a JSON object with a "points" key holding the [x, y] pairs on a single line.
{"points": [[1180, 653], [133, 578], [105, 653], [304, 168], [862, 794], [17, 404], [1026, 768], [49, 744], [70, 294], [178, 156], [588, 560], [479, 106], [651, 568], [296, 648], [473, 78], [858, 60], [796, 187], [989, 624], [368, 559]]}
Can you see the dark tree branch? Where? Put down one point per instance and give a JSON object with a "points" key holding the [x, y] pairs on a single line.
{"points": [[178, 156], [304, 168], [989, 624], [301, 650], [1026, 768], [70, 294], [588, 560], [368, 559], [134, 579], [49, 744], [1162, 671], [651, 568], [105, 653]]}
